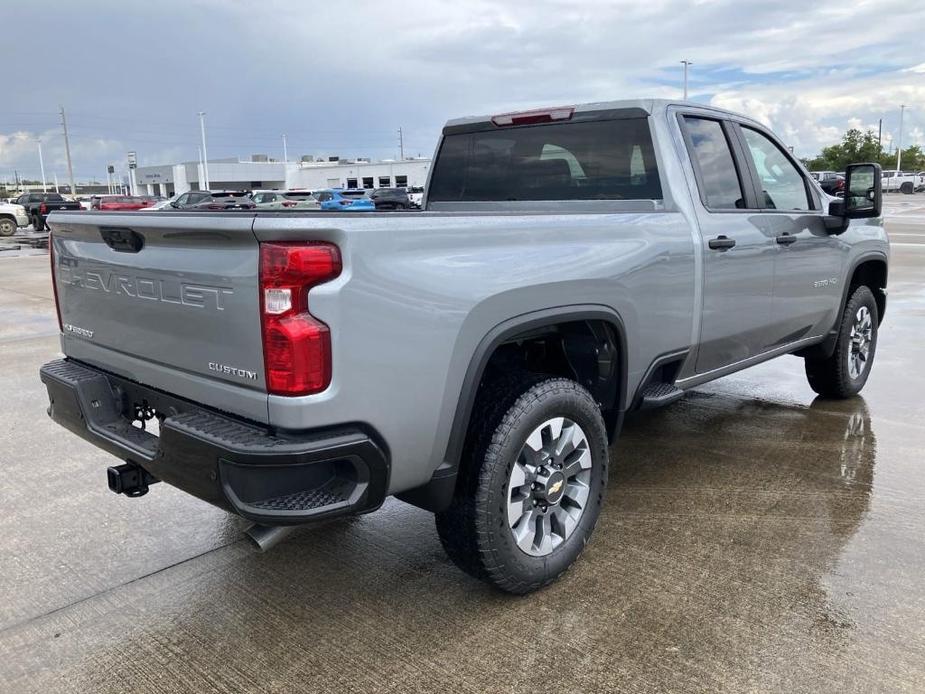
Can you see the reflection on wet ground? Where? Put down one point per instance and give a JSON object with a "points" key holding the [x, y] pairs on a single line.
{"points": [[754, 539]]}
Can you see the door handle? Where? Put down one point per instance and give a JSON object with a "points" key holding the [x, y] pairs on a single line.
{"points": [[786, 239], [721, 243]]}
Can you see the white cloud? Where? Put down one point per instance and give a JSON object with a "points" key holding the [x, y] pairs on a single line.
{"points": [[342, 77]]}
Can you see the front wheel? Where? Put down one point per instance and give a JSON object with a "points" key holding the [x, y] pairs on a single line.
{"points": [[7, 226], [531, 483], [845, 372]]}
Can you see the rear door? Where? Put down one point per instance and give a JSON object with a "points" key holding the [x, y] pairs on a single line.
{"points": [[738, 266], [808, 261], [170, 301]]}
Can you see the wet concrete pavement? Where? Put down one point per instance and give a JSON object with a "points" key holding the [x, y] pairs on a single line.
{"points": [[755, 538]]}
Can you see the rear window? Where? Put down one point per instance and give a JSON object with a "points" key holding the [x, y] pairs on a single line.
{"points": [[52, 197], [600, 160]]}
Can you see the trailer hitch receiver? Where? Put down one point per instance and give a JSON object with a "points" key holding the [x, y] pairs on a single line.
{"points": [[129, 479]]}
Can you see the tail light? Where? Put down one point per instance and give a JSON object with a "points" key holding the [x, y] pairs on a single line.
{"points": [[289, 203], [296, 345], [43, 209], [542, 115], [54, 280]]}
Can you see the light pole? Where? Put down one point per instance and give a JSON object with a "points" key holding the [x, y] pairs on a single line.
{"points": [[285, 151], [205, 154], [67, 151], [899, 148], [686, 64], [42, 164]]}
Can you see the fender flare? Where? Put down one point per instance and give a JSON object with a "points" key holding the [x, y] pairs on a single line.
{"points": [[824, 349], [437, 493]]}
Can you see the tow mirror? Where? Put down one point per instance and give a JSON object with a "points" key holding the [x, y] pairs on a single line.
{"points": [[863, 197]]}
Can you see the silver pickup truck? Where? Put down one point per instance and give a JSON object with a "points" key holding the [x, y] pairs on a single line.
{"points": [[475, 358]]}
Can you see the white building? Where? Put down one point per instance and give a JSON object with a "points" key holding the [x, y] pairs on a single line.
{"points": [[234, 174]]}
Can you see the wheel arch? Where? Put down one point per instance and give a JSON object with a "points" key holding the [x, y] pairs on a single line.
{"points": [[437, 493], [870, 269]]}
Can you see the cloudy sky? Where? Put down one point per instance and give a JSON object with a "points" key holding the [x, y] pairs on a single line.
{"points": [[341, 78]]}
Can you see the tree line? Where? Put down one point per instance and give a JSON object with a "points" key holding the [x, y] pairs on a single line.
{"points": [[857, 146]]}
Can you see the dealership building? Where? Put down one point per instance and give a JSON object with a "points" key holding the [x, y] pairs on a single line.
{"points": [[262, 173]]}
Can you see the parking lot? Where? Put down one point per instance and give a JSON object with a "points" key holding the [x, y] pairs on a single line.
{"points": [[754, 538]]}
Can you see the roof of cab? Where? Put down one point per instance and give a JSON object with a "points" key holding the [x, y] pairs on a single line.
{"points": [[644, 106]]}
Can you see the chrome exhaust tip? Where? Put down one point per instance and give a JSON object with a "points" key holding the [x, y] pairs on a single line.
{"points": [[265, 537]]}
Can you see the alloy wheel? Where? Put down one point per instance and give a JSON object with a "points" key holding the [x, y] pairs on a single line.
{"points": [[549, 485], [859, 341]]}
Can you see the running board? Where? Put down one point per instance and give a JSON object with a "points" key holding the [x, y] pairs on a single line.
{"points": [[659, 395]]}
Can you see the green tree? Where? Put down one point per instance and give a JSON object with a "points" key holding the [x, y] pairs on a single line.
{"points": [[856, 146], [913, 159]]}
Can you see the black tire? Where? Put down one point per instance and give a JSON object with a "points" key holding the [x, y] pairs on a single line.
{"points": [[38, 223], [475, 530], [832, 377], [907, 188], [7, 226]]}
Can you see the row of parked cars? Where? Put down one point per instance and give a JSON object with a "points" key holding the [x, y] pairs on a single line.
{"points": [[833, 182], [329, 199], [33, 208]]}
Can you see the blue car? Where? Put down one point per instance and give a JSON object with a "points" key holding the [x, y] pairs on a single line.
{"points": [[344, 200]]}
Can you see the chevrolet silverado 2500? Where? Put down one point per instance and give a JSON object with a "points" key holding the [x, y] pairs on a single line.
{"points": [[475, 358]]}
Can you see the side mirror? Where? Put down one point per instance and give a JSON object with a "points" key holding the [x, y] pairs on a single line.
{"points": [[175, 205], [863, 197]]}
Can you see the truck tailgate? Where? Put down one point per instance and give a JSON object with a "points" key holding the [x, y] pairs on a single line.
{"points": [[168, 300]]}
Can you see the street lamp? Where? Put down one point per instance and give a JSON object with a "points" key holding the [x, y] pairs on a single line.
{"points": [[899, 149], [205, 154], [42, 164], [686, 64]]}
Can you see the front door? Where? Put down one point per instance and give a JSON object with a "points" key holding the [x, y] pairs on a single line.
{"points": [[738, 265], [809, 262]]}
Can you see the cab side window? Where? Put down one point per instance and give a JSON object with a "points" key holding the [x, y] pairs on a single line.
{"points": [[718, 179], [782, 184]]}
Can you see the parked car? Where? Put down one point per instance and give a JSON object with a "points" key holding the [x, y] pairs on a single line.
{"points": [[39, 205], [831, 182], [162, 203], [120, 203], [344, 200], [285, 200], [390, 199], [476, 360], [416, 196], [214, 200], [901, 181], [12, 216]]}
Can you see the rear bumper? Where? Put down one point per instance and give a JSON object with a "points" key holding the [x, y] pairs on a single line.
{"points": [[274, 478]]}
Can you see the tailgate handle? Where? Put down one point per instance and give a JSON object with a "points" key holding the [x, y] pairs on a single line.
{"points": [[122, 240]]}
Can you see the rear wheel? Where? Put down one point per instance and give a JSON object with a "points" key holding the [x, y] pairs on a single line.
{"points": [[38, 223], [7, 226], [531, 484], [845, 372], [907, 188]]}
